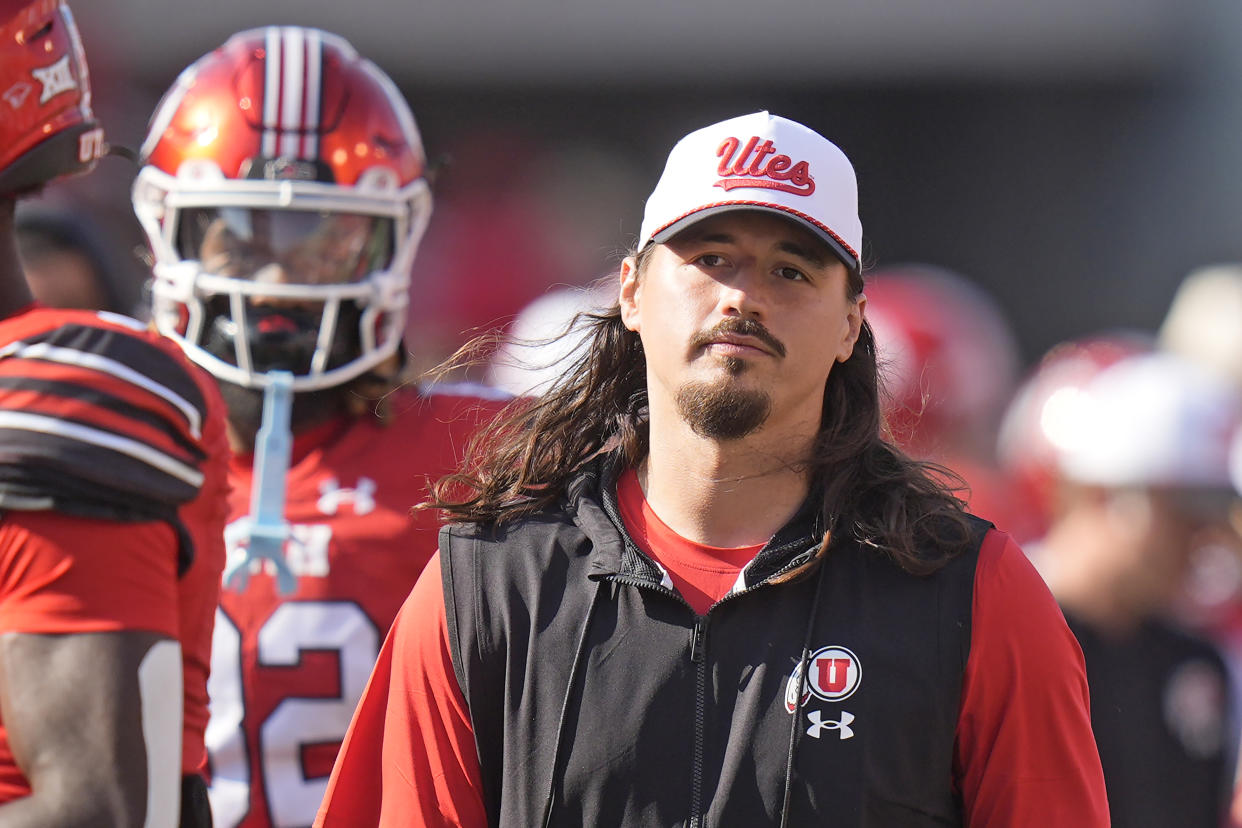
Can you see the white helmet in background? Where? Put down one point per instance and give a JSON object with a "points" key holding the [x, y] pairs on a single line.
{"points": [[1154, 421]]}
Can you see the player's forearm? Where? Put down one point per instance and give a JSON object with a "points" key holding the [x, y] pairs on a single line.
{"points": [[94, 723]]}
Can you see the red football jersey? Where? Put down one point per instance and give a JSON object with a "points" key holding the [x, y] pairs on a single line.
{"points": [[113, 491], [288, 670]]}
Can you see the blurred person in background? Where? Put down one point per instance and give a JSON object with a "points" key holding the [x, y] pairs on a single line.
{"points": [[949, 362], [1044, 412], [1204, 325], [112, 504], [65, 264], [284, 195], [1142, 472]]}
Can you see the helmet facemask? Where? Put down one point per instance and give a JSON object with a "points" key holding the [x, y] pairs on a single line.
{"points": [[248, 287]]}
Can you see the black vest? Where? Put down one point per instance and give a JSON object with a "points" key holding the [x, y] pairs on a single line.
{"points": [[597, 695]]}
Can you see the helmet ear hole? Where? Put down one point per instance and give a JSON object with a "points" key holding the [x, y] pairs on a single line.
{"points": [[42, 32]]}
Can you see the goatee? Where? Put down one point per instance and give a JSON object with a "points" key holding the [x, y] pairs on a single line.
{"points": [[722, 411]]}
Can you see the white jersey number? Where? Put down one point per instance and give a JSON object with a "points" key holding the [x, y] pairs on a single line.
{"points": [[292, 628]]}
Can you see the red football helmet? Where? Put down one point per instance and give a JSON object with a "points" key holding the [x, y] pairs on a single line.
{"points": [[48, 129], [284, 197], [947, 355]]}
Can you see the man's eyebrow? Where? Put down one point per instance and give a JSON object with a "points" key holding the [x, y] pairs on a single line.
{"points": [[814, 255]]}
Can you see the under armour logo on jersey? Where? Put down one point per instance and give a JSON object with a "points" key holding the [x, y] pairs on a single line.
{"points": [[819, 724], [16, 94], [56, 78], [332, 496]]}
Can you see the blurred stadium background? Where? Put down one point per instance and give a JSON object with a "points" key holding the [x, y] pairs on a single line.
{"points": [[1074, 159]]}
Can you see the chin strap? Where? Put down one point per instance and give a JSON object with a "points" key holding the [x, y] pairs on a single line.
{"points": [[268, 530]]}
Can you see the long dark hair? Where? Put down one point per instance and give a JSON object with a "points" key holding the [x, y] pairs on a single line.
{"points": [[520, 463]]}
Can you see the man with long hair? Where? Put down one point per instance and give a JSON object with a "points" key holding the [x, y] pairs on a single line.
{"points": [[693, 585]]}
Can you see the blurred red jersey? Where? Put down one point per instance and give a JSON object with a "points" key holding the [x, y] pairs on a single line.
{"points": [[288, 670], [113, 491]]}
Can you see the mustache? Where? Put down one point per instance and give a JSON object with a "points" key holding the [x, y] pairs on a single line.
{"points": [[738, 327]]}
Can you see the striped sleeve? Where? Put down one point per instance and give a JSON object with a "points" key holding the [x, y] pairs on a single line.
{"points": [[97, 418]]}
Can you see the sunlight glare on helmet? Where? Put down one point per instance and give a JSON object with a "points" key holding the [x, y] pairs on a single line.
{"points": [[206, 136], [1061, 416], [205, 129]]}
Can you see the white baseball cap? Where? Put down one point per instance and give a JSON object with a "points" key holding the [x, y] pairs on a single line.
{"points": [[1154, 420], [758, 162]]}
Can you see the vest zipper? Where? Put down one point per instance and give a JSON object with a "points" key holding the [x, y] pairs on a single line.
{"points": [[696, 640], [698, 655]]}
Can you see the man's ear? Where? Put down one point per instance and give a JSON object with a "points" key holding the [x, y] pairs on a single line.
{"points": [[630, 294], [854, 319]]}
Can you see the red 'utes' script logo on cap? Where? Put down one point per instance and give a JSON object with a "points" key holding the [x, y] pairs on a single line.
{"points": [[757, 165]]}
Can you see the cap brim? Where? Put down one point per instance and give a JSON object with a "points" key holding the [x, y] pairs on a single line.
{"points": [[834, 244]]}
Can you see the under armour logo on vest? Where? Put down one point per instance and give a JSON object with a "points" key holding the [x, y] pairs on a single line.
{"points": [[56, 78], [819, 724]]}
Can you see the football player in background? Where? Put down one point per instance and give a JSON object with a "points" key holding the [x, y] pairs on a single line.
{"points": [[284, 194], [1140, 453], [113, 462], [1203, 324]]}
